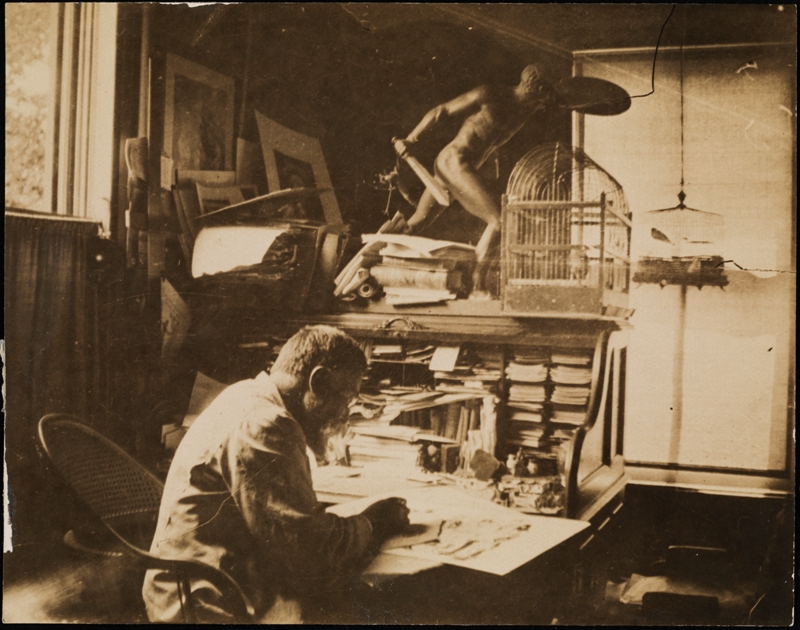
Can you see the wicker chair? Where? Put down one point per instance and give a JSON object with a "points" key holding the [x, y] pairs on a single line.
{"points": [[126, 498]]}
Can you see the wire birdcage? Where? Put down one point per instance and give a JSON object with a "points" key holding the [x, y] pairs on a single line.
{"points": [[566, 235], [689, 232]]}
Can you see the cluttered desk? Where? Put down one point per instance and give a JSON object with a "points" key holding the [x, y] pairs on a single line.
{"points": [[464, 558], [451, 523]]}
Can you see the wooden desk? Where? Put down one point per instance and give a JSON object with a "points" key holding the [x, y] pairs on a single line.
{"points": [[524, 579]]}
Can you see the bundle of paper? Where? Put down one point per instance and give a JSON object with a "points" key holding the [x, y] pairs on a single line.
{"points": [[407, 296], [570, 395], [418, 247], [532, 356], [568, 375], [569, 416], [410, 269], [527, 393], [571, 358], [526, 416], [525, 406], [527, 373]]}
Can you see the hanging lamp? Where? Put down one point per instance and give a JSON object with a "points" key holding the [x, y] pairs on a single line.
{"points": [[694, 236]]}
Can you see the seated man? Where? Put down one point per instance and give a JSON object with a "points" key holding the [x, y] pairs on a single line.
{"points": [[239, 494]]}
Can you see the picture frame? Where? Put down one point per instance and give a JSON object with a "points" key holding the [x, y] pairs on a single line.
{"points": [[213, 198], [198, 116], [295, 160]]}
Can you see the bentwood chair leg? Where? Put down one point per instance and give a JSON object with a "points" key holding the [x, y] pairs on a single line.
{"points": [[185, 598]]}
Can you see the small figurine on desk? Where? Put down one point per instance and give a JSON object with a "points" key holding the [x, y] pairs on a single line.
{"points": [[511, 464], [430, 458]]}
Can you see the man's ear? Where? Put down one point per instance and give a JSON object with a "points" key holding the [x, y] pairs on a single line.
{"points": [[319, 381]]}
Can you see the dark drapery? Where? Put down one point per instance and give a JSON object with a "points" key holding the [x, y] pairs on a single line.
{"points": [[52, 353]]}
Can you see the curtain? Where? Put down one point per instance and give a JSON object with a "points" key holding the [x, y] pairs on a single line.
{"points": [[52, 353]]}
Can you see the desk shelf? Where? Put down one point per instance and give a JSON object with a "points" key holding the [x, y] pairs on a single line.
{"points": [[593, 468]]}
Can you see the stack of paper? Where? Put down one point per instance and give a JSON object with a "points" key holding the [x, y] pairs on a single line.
{"points": [[415, 270], [532, 356], [470, 371], [571, 358], [570, 395], [527, 393], [569, 375], [528, 436], [526, 416], [527, 373], [569, 416]]}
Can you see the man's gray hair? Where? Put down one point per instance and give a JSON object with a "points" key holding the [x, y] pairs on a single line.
{"points": [[319, 345]]}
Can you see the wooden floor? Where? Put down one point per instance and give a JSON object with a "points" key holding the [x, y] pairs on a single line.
{"points": [[49, 582]]}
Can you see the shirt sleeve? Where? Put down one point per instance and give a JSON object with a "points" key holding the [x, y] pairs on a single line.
{"points": [[270, 479]]}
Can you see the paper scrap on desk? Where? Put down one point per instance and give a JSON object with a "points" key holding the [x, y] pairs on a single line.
{"points": [[444, 358]]}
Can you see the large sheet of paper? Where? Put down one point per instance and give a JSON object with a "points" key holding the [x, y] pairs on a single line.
{"points": [[476, 534], [226, 247]]}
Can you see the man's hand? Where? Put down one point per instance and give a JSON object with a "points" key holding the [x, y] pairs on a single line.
{"points": [[387, 517]]}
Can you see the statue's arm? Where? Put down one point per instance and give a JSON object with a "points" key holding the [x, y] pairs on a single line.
{"points": [[459, 107]]}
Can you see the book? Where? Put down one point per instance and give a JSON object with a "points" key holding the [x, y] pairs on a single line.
{"points": [[452, 415], [437, 419], [438, 279], [407, 296], [526, 416], [420, 263], [405, 246]]}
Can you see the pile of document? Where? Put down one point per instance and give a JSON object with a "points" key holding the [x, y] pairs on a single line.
{"points": [[526, 393], [572, 375], [473, 370], [410, 269]]}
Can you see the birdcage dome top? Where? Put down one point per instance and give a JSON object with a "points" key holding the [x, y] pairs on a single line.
{"points": [[560, 172]]}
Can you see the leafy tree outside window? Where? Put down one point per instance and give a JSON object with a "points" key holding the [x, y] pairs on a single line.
{"points": [[31, 72]]}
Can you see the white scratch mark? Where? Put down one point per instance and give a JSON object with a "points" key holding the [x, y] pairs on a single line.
{"points": [[763, 146]]}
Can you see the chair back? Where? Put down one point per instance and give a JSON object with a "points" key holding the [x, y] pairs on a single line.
{"points": [[117, 488]]}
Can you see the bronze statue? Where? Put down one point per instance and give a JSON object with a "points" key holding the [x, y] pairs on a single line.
{"points": [[491, 116]]}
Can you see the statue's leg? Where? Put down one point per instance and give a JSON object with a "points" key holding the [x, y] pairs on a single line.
{"points": [[426, 204], [468, 188]]}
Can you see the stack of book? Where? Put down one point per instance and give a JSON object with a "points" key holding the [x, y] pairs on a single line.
{"points": [[474, 370], [412, 269], [393, 445], [572, 375], [527, 395]]}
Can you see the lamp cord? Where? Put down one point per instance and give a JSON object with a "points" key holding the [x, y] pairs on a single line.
{"points": [[682, 194]]}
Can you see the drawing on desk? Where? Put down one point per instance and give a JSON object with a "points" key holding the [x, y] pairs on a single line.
{"points": [[415, 534], [465, 538], [502, 539]]}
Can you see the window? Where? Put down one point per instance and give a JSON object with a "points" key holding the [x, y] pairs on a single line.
{"points": [[60, 80], [31, 83]]}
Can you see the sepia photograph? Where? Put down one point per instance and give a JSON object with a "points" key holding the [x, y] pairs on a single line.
{"points": [[381, 314]]}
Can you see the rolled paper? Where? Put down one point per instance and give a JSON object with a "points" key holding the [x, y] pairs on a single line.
{"points": [[367, 289], [358, 278]]}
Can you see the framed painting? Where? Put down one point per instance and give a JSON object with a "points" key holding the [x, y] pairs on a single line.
{"points": [[198, 116], [295, 160]]}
